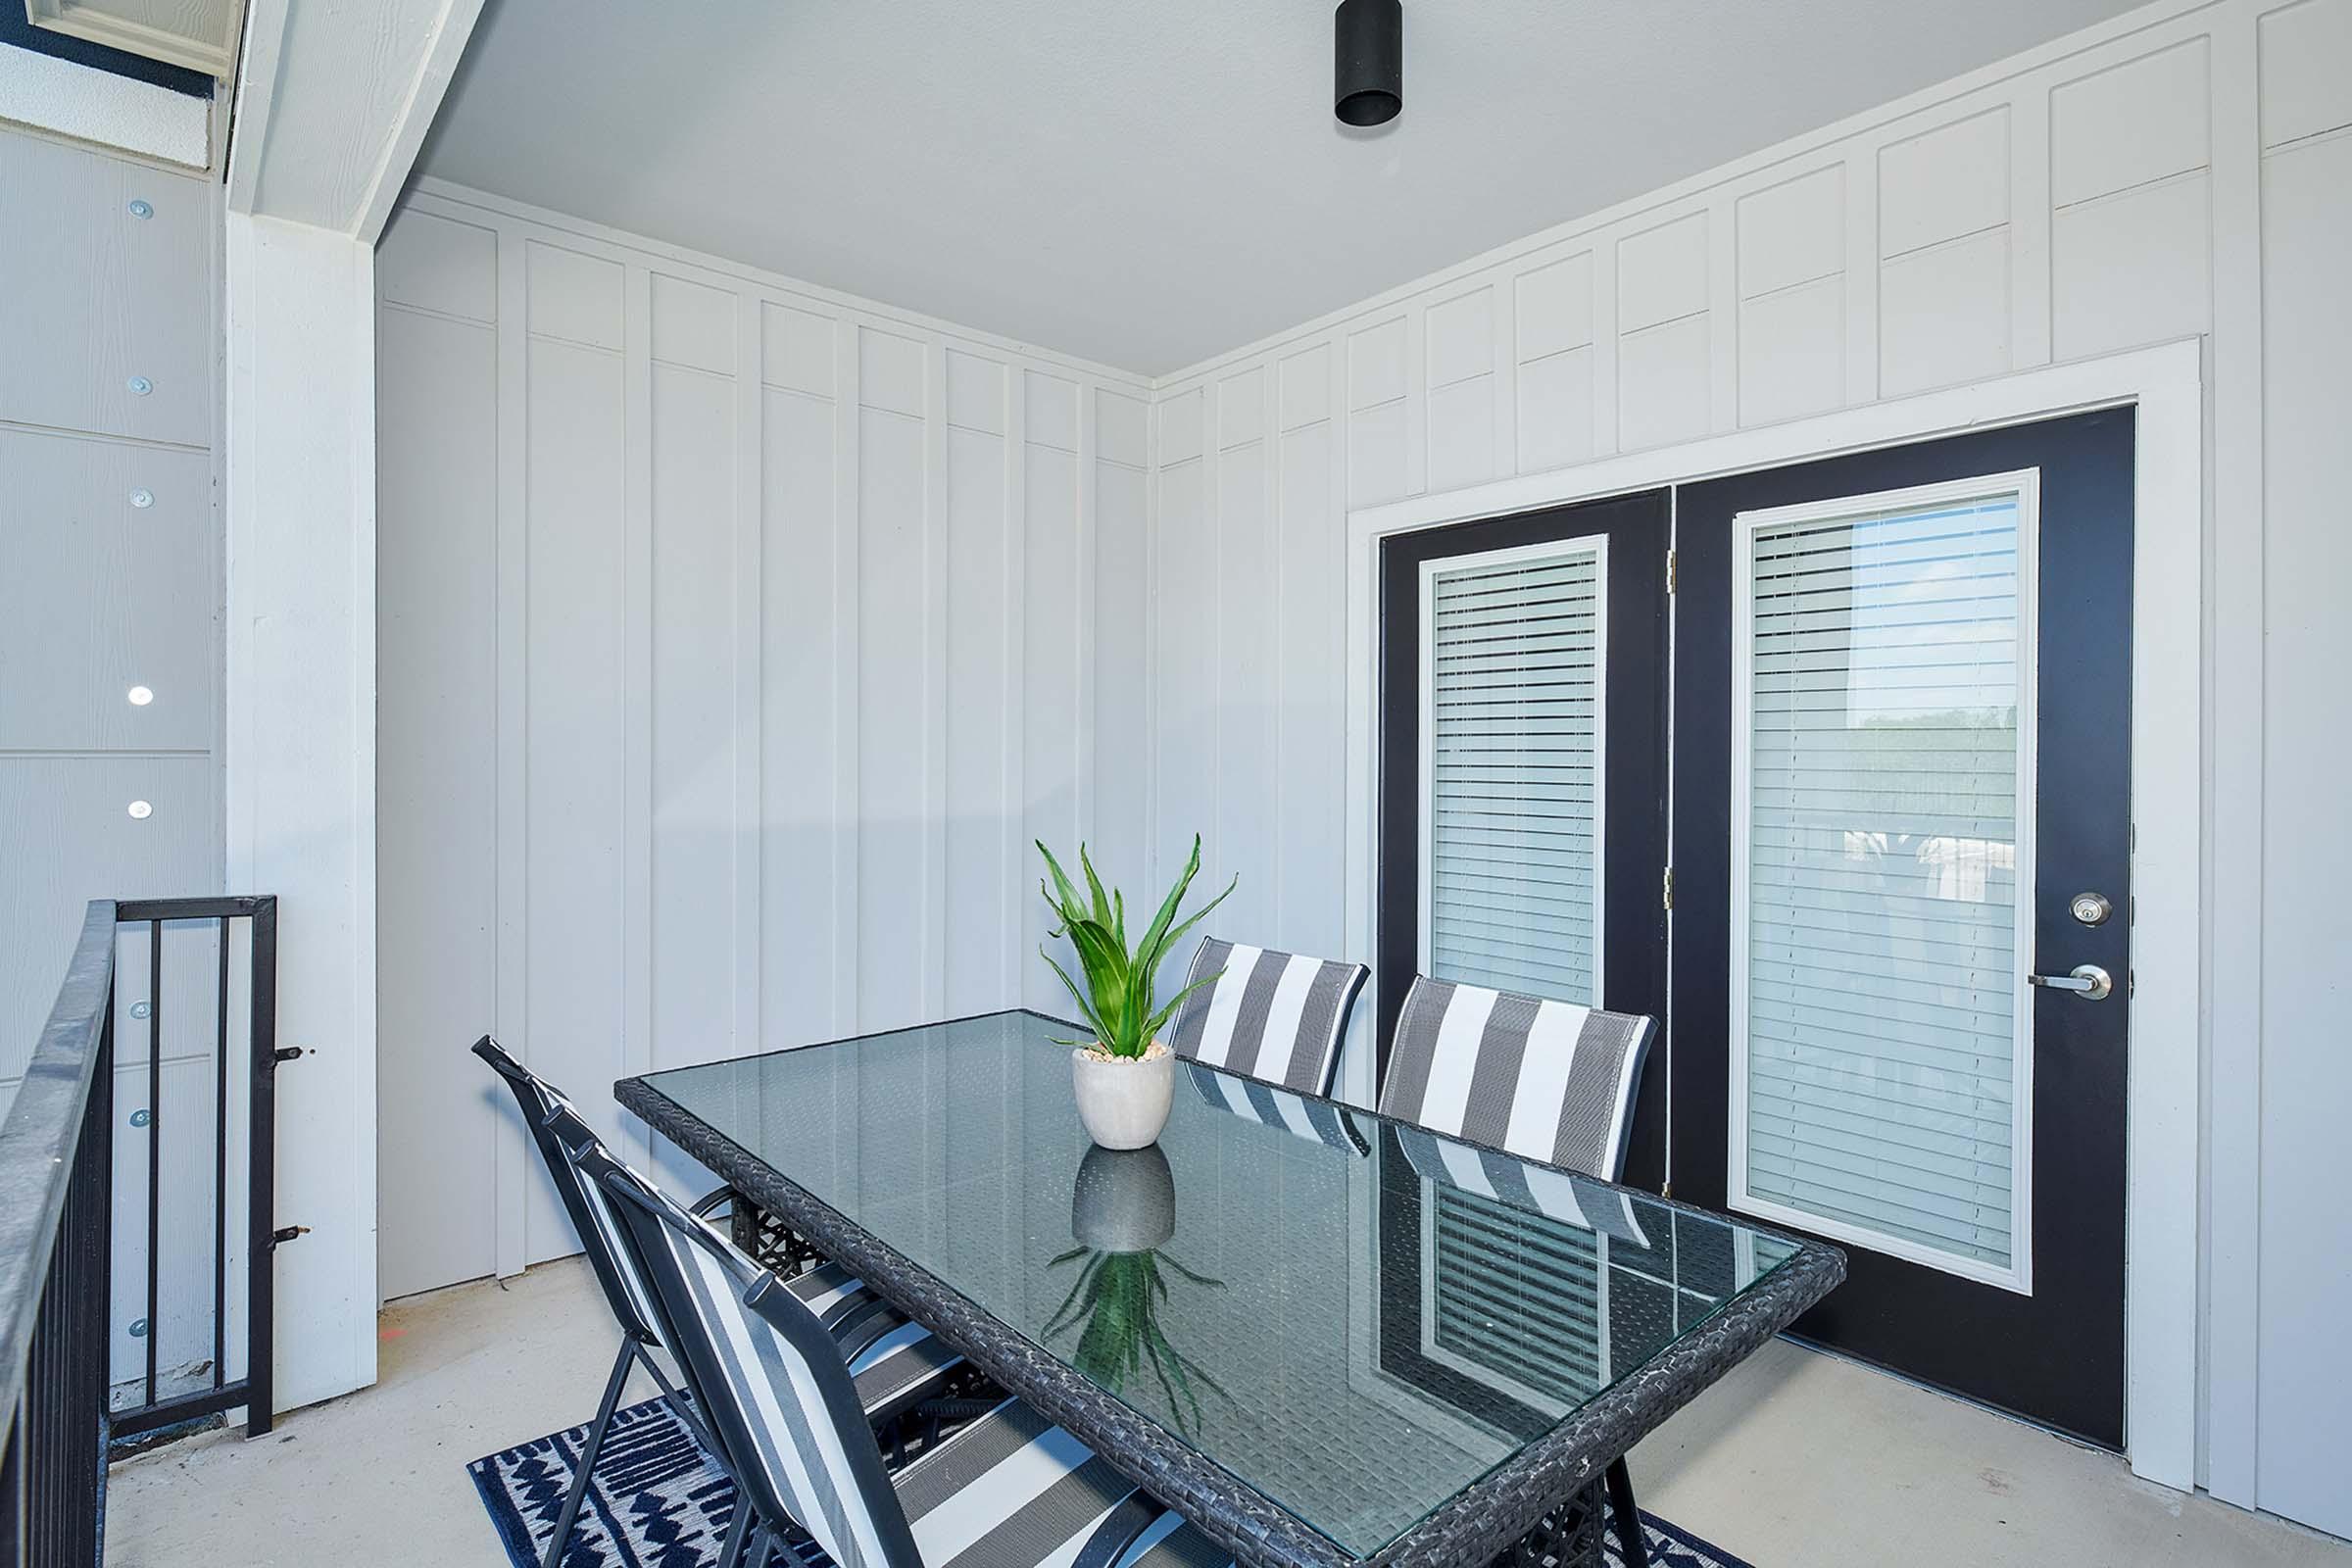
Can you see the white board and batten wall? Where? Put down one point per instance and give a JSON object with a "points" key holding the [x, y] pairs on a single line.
{"points": [[737, 639], [2181, 171]]}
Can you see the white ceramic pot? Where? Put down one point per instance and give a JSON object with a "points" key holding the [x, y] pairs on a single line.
{"points": [[1124, 1100]]}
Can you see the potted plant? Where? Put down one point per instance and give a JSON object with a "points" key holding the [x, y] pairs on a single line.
{"points": [[1125, 1076]]}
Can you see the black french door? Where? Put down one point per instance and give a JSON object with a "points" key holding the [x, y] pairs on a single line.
{"points": [[1901, 774], [1522, 767]]}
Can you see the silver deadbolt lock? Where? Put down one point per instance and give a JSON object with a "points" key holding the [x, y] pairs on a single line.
{"points": [[2092, 909]]}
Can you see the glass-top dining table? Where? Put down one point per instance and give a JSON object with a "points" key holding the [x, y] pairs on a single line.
{"points": [[1324, 1336]]}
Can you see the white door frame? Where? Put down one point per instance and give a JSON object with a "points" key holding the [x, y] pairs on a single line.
{"points": [[2167, 790]]}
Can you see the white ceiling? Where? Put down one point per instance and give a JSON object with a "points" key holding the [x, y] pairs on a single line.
{"points": [[1150, 185]]}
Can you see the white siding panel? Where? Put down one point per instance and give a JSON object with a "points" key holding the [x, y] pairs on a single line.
{"points": [[1051, 651], [694, 325], [1375, 365], [439, 265], [570, 948], [2130, 123], [892, 662], [890, 371], [1792, 232], [573, 296], [1793, 352], [1664, 378], [694, 706], [2306, 1073], [98, 595], [1376, 455], [1121, 428], [976, 392], [1306, 387], [1244, 836], [1554, 308], [1944, 183], [1460, 333], [1053, 411], [1461, 433], [1556, 410], [2131, 268], [796, 349], [1943, 314], [1662, 273], [2305, 87], [437, 838], [978, 671], [1121, 590], [1309, 849], [1242, 408]]}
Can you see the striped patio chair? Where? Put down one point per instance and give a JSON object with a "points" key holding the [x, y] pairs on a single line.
{"points": [[1011, 1491], [1274, 1016], [899, 1364], [1544, 1080], [1548, 1081]]}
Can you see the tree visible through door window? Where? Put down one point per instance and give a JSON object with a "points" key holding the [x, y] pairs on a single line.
{"points": [[1882, 823]]}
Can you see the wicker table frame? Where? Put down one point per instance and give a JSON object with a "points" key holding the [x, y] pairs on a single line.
{"points": [[1489, 1520]]}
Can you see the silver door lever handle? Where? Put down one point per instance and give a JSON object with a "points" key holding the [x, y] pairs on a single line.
{"points": [[2088, 981]]}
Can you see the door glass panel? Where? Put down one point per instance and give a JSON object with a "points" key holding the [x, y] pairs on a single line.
{"points": [[1512, 670], [1882, 852]]}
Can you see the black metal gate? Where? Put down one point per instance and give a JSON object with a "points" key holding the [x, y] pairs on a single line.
{"points": [[57, 1235]]}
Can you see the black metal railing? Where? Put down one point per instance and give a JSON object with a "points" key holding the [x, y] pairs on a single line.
{"points": [[58, 1409]]}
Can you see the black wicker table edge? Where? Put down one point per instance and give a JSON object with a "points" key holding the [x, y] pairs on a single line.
{"points": [[1522, 1496]]}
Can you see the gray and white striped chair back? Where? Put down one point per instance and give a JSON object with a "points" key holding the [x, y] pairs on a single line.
{"points": [[779, 1394], [1274, 1016], [542, 1103], [1544, 1080], [1319, 1121]]}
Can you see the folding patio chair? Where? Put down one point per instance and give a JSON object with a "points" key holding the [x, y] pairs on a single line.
{"points": [[1011, 1491]]}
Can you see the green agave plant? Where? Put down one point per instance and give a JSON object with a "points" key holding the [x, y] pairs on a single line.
{"points": [[1118, 1298], [1119, 1000]]}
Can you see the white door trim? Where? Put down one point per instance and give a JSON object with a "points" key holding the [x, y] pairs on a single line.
{"points": [[2167, 790]]}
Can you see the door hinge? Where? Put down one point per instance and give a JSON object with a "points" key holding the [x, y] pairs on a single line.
{"points": [[286, 1054], [286, 1233], [1670, 571], [1666, 890]]}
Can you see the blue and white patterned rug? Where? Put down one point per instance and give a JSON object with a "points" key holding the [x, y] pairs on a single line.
{"points": [[659, 1501]]}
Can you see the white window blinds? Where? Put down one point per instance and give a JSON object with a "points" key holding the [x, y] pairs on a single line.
{"points": [[1513, 659], [1882, 800]]}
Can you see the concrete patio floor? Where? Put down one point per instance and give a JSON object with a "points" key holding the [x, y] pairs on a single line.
{"points": [[1797, 1461]]}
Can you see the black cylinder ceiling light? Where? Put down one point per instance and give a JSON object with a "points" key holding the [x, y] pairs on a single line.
{"points": [[1368, 55]]}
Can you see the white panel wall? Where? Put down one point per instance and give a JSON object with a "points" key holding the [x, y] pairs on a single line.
{"points": [[2184, 169], [737, 640]]}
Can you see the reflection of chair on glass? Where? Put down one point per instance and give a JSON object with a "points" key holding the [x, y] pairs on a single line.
{"points": [[897, 1364], [1011, 1490], [1277, 1017], [1319, 1121], [1544, 1080]]}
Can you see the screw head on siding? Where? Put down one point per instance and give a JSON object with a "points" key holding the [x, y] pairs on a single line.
{"points": [[139, 386], [142, 498], [140, 1009], [140, 209], [140, 1118], [140, 810], [138, 1328]]}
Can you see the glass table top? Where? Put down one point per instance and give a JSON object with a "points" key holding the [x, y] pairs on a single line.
{"points": [[1356, 1317]]}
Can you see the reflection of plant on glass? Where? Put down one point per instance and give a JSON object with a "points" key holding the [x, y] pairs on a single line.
{"points": [[1118, 1297], [1122, 1212]]}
